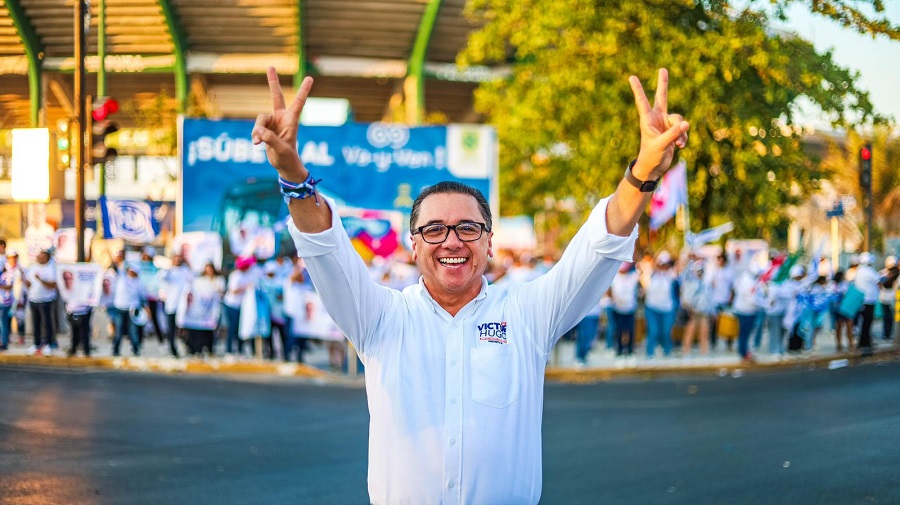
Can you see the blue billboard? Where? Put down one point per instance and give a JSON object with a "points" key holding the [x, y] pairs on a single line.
{"points": [[228, 185]]}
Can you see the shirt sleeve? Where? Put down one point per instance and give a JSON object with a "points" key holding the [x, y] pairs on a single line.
{"points": [[351, 298], [559, 299]]}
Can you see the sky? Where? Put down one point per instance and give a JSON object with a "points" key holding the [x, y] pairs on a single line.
{"points": [[877, 60]]}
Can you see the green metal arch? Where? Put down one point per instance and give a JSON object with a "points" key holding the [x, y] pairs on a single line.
{"points": [[34, 51], [179, 39], [414, 87], [301, 48]]}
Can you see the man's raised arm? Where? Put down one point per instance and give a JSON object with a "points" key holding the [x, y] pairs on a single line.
{"points": [[279, 132], [660, 133]]}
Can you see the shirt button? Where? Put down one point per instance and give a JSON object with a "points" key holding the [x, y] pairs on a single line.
{"points": [[453, 401], [451, 485], [452, 441], [453, 363]]}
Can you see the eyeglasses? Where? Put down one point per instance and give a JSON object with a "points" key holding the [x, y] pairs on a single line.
{"points": [[438, 233]]}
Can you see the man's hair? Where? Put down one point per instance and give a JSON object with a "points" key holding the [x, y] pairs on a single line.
{"points": [[3, 242], [452, 187]]}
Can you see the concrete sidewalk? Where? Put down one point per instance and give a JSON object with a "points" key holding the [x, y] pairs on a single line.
{"points": [[603, 364], [321, 364]]}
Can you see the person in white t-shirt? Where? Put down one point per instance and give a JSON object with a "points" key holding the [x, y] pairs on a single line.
{"points": [[455, 366], [174, 281], [867, 280], [206, 291], [625, 291], [240, 280], [40, 281], [14, 293], [887, 295], [660, 303], [129, 296]]}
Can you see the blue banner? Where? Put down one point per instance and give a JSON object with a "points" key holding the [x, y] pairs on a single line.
{"points": [[228, 184]]}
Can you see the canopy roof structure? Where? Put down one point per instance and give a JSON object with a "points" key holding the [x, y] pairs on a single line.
{"points": [[392, 59]]}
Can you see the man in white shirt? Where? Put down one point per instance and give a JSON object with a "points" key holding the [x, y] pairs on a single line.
{"points": [[40, 281], [722, 295], [128, 298], [454, 366], [867, 280]]}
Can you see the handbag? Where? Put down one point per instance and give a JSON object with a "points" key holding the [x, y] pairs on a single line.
{"points": [[727, 325], [852, 302]]}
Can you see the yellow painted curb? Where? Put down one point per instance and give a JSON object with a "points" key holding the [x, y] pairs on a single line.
{"points": [[588, 375], [166, 365]]}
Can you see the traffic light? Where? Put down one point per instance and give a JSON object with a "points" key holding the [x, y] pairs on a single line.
{"points": [[100, 126], [63, 144], [865, 167]]}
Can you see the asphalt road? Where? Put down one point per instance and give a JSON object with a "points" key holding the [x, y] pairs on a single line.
{"points": [[101, 437]]}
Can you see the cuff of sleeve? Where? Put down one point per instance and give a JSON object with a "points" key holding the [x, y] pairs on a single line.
{"points": [[317, 244], [605, 243]]}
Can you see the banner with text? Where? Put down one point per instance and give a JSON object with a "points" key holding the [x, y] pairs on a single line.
{"points": [[227, 183]]}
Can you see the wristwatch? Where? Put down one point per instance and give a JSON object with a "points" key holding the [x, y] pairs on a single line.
{"points": [[642, 186]]}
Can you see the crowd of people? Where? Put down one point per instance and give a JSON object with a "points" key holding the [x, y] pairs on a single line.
{"points": [[162, 298], [657, 301], [782, 302]]}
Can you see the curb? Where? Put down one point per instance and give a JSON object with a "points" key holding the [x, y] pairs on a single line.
{"points": [[168, 365], [837, 360], [554, 374]]}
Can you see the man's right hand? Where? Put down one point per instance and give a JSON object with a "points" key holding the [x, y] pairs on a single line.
{"points": [[279, 129]]}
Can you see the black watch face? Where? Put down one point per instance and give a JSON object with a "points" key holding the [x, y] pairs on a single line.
{"points": [[648, 186]]}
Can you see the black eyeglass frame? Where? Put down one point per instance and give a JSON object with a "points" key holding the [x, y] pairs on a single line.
{"points": [[482, 226]]}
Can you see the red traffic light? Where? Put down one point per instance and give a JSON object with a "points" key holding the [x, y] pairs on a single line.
{"points": [[103, 108], [865, 154]]}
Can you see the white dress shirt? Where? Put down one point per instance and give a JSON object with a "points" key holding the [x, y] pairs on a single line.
{"points": [[456, 403]]}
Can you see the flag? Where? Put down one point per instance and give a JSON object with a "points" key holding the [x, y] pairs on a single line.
{"points": [[695, 240], [131, 220], [671, 193], [784, 271], [773, 268]]}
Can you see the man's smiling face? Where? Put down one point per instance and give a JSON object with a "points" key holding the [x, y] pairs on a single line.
{"points": [[453, 268]]}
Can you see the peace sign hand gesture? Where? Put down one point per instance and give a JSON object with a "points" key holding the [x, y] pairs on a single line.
{"points": [[279, 129], [660, 131]]}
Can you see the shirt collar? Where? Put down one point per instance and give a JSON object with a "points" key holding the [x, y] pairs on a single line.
{"points": [[435, 306]]}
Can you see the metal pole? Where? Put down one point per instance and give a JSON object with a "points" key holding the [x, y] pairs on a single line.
{"points": [[101, 91], [835, 244], [81, 13], [869, 217]]}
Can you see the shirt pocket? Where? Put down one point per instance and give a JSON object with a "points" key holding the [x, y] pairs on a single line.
{"points": [[495, 375]]}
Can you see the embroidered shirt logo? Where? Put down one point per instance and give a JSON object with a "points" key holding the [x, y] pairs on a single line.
{"points": [[492, 332]]}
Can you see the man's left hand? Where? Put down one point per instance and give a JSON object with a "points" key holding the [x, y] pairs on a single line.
{"points": [[661, 132]]}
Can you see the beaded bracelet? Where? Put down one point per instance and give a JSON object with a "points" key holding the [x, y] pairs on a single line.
{"points": [[302, 191]]}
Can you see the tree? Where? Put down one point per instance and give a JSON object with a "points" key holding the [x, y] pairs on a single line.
{"points": [[158, 114], [566, 119]]}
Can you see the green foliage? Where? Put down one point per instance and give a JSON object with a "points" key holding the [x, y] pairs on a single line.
{"points": [[159, 115], [566, 117]]}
